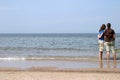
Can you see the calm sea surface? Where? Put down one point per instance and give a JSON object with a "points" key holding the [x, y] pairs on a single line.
{"points": [[49, 46]]}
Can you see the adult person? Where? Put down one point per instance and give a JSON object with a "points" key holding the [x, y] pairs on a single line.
{"points": [[109, 37], [101, 40]]}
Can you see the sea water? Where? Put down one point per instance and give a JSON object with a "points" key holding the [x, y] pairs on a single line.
{"points": [[50, 46], [62, 50]]}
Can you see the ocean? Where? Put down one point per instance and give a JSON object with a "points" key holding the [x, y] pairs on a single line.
{"points": [[49, 46]]}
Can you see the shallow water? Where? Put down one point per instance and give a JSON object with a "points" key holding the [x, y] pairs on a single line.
{"points": [[60, 64], [74, 50], [31, 46]]}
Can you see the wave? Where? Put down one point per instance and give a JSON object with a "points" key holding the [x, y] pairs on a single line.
{"points": [[46, 58], [35, 48], [11, 58]]}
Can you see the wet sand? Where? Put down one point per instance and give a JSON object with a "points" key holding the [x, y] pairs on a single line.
{"points": [[60, 70], [49, 73], [61, 64]]}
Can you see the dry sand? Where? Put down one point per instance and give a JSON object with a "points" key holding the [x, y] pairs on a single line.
{"points": [[57, 74]]}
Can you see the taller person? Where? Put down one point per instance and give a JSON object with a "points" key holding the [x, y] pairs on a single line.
{"points": [[109, 37]]}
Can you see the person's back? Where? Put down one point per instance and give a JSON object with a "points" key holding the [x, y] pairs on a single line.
{"points": [[109, 37]]}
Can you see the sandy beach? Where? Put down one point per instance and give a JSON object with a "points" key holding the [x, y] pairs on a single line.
{"points": [[46, 73], [60, 70]]}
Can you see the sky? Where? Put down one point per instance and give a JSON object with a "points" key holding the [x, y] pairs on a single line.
{"points": [[58, 16]]}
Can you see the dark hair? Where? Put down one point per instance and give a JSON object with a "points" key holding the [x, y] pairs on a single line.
{"points": [[102, 27], [108, 25]]}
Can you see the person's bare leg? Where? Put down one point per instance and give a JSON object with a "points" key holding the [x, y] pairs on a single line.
{"points": [[108, 64], [108, 55], [114, 56], [100, 55], [101, 64]]}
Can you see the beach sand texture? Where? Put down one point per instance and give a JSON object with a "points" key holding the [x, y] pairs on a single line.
{"points": [[54, 74], [57, 76]]}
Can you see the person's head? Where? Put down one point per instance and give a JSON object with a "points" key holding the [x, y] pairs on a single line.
{"points": [[108, 25], [103, 27]]}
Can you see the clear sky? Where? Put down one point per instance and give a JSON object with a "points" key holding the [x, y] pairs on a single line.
{"points": [[58, 16]]}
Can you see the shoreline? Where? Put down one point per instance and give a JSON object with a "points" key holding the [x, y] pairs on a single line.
{"points": [[60, 64], [55, 69], [57, 73]]}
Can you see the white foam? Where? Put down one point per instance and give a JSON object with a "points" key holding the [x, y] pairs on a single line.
{"points": [[12, 58]]}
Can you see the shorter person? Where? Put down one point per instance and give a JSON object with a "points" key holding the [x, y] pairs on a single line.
{"points": [[101, 40], [109, 36]]}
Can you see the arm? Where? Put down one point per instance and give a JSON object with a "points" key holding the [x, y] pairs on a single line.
{"points": [[114, 36], [100, 35]]}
